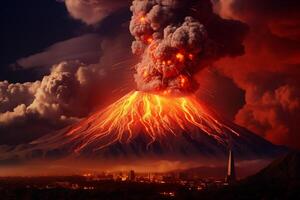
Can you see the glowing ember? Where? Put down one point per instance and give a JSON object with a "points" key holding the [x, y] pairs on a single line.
{"points": [[150, 40], [180, 57], [143, 19], [191, 56], [153, 114]]}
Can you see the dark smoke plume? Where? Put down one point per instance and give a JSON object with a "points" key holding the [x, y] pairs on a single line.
{"points": [[176, 39]]}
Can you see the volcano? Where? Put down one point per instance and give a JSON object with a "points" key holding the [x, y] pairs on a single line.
{"points": [[143, 126]]}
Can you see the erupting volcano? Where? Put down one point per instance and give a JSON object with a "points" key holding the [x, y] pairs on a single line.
{"points": [[162, 119], [145, 126]]}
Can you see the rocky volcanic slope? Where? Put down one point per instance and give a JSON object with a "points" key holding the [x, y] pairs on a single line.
{"points": [[184, 146]]}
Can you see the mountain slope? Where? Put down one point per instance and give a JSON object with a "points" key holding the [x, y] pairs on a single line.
{"points": [[193, 145], [147, 126]]}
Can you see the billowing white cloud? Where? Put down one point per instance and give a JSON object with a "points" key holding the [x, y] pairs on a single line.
{"points": [[93, 11], [13, 95], [60, 96], [70, 91]]}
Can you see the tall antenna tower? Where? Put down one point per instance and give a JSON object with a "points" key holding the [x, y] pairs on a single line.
{"points": [[230, 177]]}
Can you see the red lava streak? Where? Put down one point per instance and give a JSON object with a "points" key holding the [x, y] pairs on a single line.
{"points": [[153, 114]]}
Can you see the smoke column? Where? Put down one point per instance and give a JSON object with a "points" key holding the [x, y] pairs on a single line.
{"points": [[174, 42]]}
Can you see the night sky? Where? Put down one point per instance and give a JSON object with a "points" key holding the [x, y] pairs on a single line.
{"points": [[29, 27], [32, 26], [258, 90]]}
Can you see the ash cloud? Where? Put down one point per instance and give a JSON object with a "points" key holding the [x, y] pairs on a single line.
{"points": [[269, 71], [176, 39]]}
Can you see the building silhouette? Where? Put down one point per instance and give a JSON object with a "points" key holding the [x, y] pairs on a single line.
{"points": [[131, 175], [230, 177]]}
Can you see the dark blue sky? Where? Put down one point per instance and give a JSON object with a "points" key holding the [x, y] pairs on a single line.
{"points": [[29, 27]]}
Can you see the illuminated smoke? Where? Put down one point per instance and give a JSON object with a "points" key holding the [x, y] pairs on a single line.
{"points": [[269, 72], [174, 44]]}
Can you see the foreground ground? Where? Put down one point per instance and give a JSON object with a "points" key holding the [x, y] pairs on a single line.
{"points": [[280, 180], [78, 188]]}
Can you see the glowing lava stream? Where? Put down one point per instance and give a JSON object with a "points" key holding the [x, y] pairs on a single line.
{"points": [[149, 113]]}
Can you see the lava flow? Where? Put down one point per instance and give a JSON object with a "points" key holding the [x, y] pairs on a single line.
{"points": [[139, 112]]}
